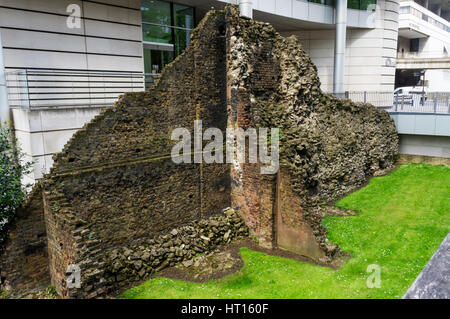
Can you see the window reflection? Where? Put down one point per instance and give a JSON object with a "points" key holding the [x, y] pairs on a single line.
{"points": [[155, 33], [166, 32], [157, 12]]}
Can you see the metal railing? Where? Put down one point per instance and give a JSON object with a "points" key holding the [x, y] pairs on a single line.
{"points": [[57, 88], [428, 102]]}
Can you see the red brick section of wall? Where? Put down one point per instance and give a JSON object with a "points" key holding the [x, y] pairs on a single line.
{"points": [[24, 263]]}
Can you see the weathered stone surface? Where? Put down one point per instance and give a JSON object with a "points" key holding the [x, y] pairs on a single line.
{"points": [[434, 280], [120, 267], [208, 264], [329, 147], [117, 206], [24, 267]]}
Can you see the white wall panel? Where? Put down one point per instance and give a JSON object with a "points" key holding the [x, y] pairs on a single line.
{"points": [[44, 59], [42, 40]]}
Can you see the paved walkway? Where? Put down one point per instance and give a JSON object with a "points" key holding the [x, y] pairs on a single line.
{"points": [[434, 280]]}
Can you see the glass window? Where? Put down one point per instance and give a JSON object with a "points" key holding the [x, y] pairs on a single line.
{"points": [[183, 16], [361, 4], [155, 33], [353, 4], [154, 11], [367, 4], [414, 45], [182, 40], [404, 10], [154, 62], [326, 2], [168, 24]]}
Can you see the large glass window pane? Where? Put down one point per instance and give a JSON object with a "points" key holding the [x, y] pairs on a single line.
{"points": [[154, 11], [414, 45], [353, 4], [183, 16], [368, 4], [182, 40], [404, 10], [154, 33], [154, 62]]}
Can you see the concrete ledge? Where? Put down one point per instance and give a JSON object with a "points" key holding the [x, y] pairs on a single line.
{"points": [[416, 159], [424, 145], [434, 280]]}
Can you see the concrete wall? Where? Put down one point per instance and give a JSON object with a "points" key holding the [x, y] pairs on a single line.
{"points": [[423, 134], [370, 53], [422, 123], [435, 146]]}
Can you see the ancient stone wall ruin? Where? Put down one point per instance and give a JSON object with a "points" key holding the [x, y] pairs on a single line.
{"points": [[117, 206], [24, 261], [328, 148]]}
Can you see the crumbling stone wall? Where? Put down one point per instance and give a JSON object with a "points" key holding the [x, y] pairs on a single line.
{"points": [[330, 146], [118, 207], [132, 263], [115, 184], [24, 263]]}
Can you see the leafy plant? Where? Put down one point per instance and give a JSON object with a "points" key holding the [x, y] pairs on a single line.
{"points": [[12, 168]]}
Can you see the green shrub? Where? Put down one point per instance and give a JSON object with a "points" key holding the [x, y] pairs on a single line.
{"points": [[12, 192]]}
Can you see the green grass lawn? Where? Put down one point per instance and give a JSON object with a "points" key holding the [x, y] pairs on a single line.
{"points": [[404, 217]]}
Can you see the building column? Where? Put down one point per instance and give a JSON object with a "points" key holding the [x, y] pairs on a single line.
{"points": [[439, 9], [246, 8], [4, 105], [339, 51]]}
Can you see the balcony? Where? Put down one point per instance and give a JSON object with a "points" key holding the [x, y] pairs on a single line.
{"points": [[423, 60], [416, 21]]}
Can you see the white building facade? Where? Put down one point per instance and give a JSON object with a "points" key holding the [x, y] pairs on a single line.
{"points": [[424, 45], [67, 59]]}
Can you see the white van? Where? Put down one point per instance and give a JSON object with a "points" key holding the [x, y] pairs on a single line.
{"points": [[411, 95]]}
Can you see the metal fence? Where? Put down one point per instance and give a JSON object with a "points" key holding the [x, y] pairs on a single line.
{"points": [[43, 88], [428, 102]]}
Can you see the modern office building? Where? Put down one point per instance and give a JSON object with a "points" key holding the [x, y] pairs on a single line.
{"points": [[424, 45], [67, 59]]}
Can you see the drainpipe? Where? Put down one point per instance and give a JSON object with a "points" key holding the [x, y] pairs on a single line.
{"points": [[4, 105], [339, 53], [246, 8]]}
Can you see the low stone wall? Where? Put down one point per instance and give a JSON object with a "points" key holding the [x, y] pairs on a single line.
{"points": [[133, 263]]}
